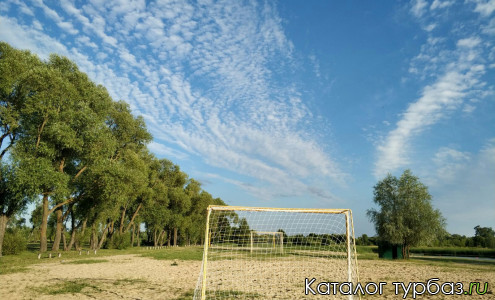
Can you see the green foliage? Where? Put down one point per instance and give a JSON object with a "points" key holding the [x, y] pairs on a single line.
{"points": [[484, 237], [118, 241], [406, 216], [86, 261], [85, 155], [14, 242]]}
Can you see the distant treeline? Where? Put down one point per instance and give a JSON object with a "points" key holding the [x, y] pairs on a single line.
{"points": [[83, 159], [229, 228], [484, 237]]}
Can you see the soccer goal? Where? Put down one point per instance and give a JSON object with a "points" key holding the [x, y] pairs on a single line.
{"points": [[273, 253]]}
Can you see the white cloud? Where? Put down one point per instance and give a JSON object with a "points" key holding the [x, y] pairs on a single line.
{"points": [[468, 108], [419, 7], [430, 27], [316, 65], [24, 37], [68, 27], [226, 109], [437, 99], [489, 28], [450, 163], [165, 151], [460, 78], [438, 4], [86, 41], [484, 7], [470, 42]]}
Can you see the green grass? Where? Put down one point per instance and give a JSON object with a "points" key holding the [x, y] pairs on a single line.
{"points": [[17, 263], [67, 287], [127, 281], [181, 253], [229, 294], [187, 295], [454, 262], [367, 252], [455, 251], [86, 261]]}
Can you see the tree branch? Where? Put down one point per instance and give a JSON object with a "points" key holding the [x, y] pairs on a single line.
{"points": [[70, 200], [80, 172], [40, 130], [133, 217]]}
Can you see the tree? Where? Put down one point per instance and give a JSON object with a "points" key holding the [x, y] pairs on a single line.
{"points": [[15, 67], [406, 216], [484, 237], [61, 134]]}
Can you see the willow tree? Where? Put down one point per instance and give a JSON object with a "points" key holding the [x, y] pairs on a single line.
{"points": [[60, 134], [113, 189], [15, 67], [405, 216]]}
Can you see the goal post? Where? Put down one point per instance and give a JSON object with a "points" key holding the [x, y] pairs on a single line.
{"points": [[267, 253]]}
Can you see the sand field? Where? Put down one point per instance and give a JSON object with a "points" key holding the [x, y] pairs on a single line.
{"points": [[136, 277]]}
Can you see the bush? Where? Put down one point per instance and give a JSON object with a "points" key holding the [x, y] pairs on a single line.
{"points": [[14, 242], [118, 241]]}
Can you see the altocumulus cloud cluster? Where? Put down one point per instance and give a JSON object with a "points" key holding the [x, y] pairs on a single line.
{"points": [[202, 74]]}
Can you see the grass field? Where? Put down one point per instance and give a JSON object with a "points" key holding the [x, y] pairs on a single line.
{"points": [[171, 273]]}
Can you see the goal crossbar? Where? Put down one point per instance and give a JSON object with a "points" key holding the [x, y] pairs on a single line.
{"points": [[302, 210]]}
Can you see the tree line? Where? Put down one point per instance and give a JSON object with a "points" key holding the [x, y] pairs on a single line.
{"points": [[484, 237], [66, 145]]}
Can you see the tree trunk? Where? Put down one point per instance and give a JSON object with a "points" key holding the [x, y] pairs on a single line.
{"points": [[168, 238], [133, 234], [64, 240], [139, 235], [162, 237], [94, 238], [155, 238], [111, 230], [122, 218], [3, 226], [103, 235], [73, 232], [58, 230], [404, 251], [133, 217], [72, 240], [78, 244], [44, 224], [175, 236]]}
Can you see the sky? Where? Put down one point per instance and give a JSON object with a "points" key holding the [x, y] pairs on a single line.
{"points": [[295, 103]]}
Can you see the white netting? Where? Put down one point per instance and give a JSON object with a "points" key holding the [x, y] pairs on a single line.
{"points": [[254, 253]]}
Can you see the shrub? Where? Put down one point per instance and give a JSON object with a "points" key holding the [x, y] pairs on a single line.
{"points": [[118, 241], [14, 242]]}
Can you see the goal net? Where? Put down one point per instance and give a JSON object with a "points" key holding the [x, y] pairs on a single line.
{"points": [[274, 253]]}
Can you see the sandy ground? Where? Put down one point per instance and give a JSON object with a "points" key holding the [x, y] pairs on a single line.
{"points": [[135, 277]]}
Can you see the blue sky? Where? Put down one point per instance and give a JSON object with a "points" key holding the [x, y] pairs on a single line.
{"points": [[295, 103]]}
